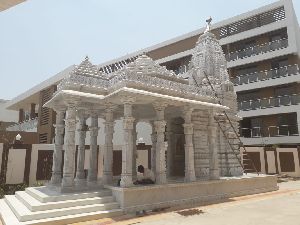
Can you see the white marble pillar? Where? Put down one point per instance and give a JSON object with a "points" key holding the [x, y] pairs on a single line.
{"points": [[170, 137], [128, 120], [59, 141], [153, 148], [134, 151], [69, 157], [189, 147], [161, 145], [213, 147], [92, 173], [108, 146], [80, 175]]}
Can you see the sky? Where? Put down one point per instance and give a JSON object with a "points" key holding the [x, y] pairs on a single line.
{"points": [[40, 38]]}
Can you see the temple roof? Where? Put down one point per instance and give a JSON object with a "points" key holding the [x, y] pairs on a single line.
{"points": [[86, 68]]}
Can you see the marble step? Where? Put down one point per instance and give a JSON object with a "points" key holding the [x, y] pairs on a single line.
{"points": [[34, 204], [24, 214], [44, 195], [7, 217]]}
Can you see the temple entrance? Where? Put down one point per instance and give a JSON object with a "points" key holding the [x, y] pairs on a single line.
{"points": [[176, 142]]}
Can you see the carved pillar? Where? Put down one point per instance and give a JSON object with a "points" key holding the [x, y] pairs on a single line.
{"points": [[127, 150], [69, 157], [213, 148], [92, 173], [81, 146], [170, 138], [59, 141], [134, 151], [189, 147], [161, 145], [153, 148], [108, 146]]}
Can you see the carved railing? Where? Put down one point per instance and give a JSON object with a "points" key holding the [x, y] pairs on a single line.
{"points": [[257, 49], [24, 126], [138, 79], [266, 75], [270, 131], [285, 100]]}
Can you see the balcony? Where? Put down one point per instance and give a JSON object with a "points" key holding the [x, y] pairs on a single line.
{"points": [[285, 100], [257, 49], [253, 22], [266, 75], [279, 134], [270, 131], [28, 125]]}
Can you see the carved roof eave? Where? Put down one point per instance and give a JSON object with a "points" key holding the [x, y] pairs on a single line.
{"points": [[145, 97], [64, 98]]}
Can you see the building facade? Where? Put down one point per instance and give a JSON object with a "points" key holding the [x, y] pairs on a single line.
{"points": [[262, 50]]}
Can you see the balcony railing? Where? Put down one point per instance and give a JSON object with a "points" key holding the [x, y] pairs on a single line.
{"points": [[259, 20], [24, 126], [270, 131], [285, 100], [266, 75], [257, 49]]}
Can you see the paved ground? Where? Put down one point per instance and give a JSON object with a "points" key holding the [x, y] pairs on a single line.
{"points": [[281, 207]]}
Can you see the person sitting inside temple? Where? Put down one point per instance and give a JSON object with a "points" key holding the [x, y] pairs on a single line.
{"points": [[146, 177]]}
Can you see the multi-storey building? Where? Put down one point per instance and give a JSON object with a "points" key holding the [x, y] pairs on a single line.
{"points": [[262, 49]]}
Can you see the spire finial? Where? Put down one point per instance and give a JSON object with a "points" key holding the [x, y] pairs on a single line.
{"points": [[86, 57], [208, 21]]}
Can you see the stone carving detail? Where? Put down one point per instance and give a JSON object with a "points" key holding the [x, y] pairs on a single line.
{"points": [[144, 72], [208, 57], [59, 141]]}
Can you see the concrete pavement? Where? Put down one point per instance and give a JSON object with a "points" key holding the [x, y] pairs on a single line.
{"points": [[274, 208]]}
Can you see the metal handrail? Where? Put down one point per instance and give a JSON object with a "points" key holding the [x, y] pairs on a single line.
{"points": [[266, 75], [272, 131], [257, 49], [284, 100]]}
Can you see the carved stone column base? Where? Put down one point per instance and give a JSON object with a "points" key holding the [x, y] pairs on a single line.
{"points": [[107, 177], [161, 178], [80, 182], [126, 180], [80, 175], [67, 181], [214, 174], [92, 176], [56, 178], [190, 176]]}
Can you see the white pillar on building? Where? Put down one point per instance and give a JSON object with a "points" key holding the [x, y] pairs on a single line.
{"points": [[80, 174], [189, 147], [134, 151], [59, 141], [108, 145], [92, 172], [213, 147], [153, 148], [69, 157], [161, 145], [170, 137], [127, 150]]}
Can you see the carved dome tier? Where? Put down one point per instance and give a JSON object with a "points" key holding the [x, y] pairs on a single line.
{"points": [[147, 66], [86, 68], [208, 59]]}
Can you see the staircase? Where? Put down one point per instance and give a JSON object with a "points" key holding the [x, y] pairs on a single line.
{"points": [[40, 205], [232, 137]]}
